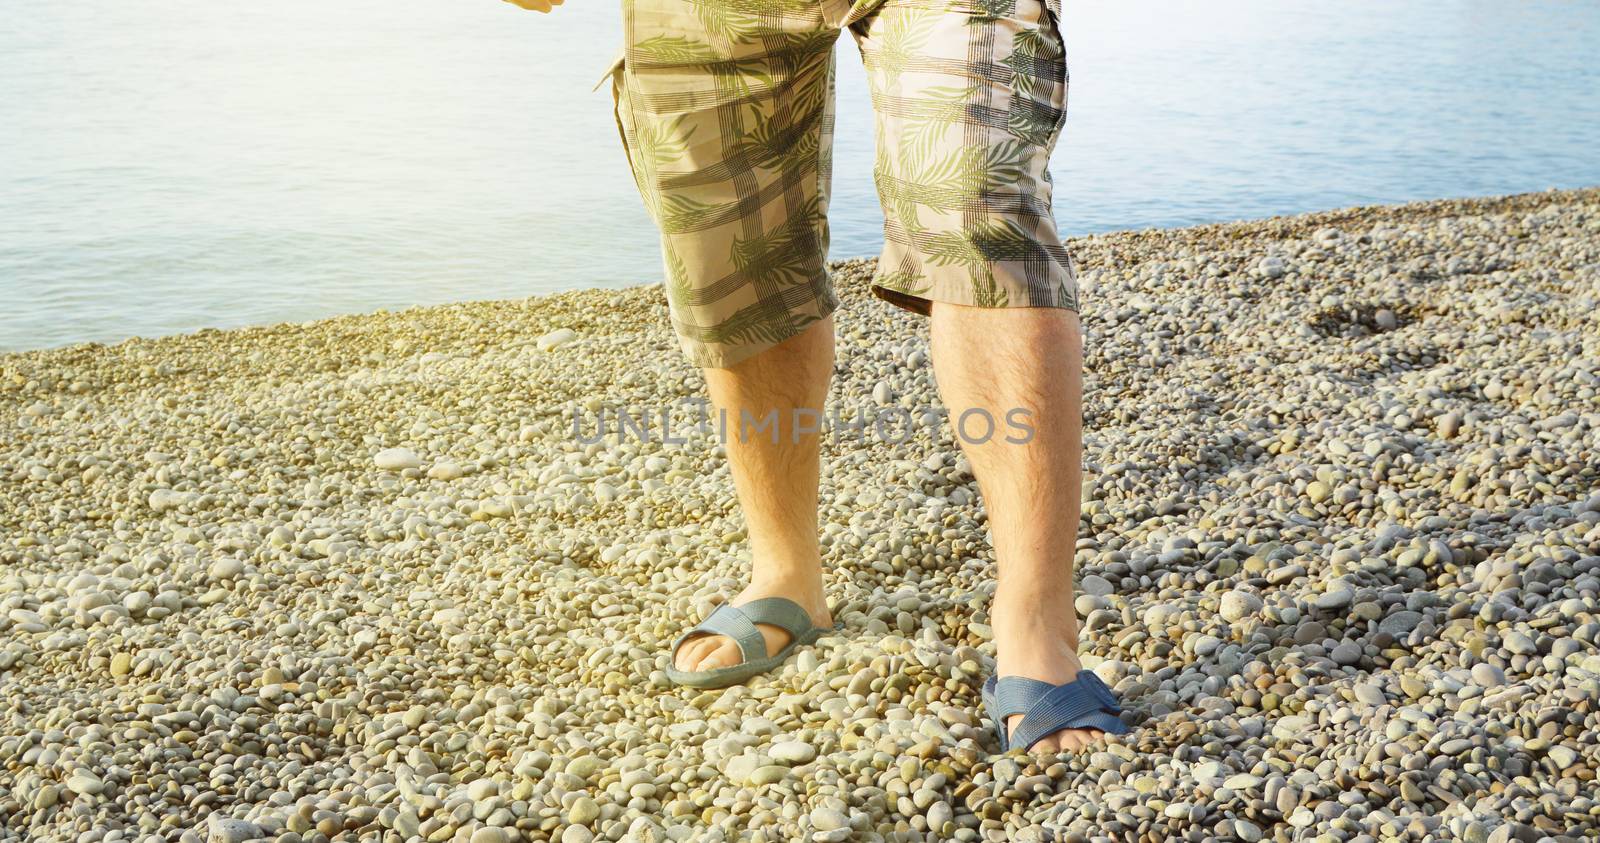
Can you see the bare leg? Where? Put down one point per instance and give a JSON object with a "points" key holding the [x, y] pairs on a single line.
{"points": [[1029, 358], [776, 481]]}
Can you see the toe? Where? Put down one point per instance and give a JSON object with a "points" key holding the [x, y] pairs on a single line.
{"points": [[692, 656], [1080, 739], [1066, 740], [724, 653]]}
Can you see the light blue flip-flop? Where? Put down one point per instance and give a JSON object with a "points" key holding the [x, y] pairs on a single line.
{"points": [[1083, 703], [739, 623]]}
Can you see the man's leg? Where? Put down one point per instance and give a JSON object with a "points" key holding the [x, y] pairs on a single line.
{"points": [[1001, 360], [970, 100], [775, 474], [726, 113]]}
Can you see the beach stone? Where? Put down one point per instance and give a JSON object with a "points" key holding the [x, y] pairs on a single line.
{"points": [[584, 811], [555, 339], [1413, 687], [741, 768], [86, 783], [1335, 598], [1519, 643], [827, 819], [1369, 693], [1514, 831], [397, 459], [769, 774], [1238, 605], [1285, 574], [1487, 675], [1242, 781], [584, 766], [446, 470], [224, 830], [226, 569], [1410, 792], [793, 752], [1095, 585], [644, 830], [1563, 756], [1290, 728], [1400, 623], [1346, 653]]}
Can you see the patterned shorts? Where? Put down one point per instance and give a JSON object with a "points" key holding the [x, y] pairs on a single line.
{"points": [[726, 112]]}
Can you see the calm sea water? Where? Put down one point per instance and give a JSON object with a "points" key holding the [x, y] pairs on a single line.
{"points": [[167, 165]]}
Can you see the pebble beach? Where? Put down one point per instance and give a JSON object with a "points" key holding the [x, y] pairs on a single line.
{"points": [[365, 579]]}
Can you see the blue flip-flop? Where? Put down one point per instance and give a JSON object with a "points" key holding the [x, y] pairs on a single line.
{"points": [[1083, 703], [739, 623]]}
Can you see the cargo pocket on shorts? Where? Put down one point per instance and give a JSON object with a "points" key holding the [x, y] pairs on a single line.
{"points": [[614, 75]]}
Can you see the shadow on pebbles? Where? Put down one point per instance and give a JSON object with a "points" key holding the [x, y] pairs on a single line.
{"points": [[364, 579]]}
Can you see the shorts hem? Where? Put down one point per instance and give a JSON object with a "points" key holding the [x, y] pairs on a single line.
{"points": [[921, 301], [707, 355]]}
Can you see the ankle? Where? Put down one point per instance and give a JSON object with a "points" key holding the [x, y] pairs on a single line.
{"points": [[1038, 620], [787, 573]]}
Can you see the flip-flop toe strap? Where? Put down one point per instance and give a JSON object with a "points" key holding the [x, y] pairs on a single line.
{"points": [[1084, 703], [732, 622], [780, 612]]}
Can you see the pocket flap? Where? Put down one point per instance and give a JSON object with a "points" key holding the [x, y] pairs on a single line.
{"points": [[611, 69]]}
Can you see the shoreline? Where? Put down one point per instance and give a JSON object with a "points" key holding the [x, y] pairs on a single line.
{"points": [[1339, 556], [1263, 225]]}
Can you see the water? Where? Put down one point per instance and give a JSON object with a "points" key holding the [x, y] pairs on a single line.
{"points": [[167, 165]]}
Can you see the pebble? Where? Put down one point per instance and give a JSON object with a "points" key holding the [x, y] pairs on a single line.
{"points": [[446, 470], [555, 339], [225, 830], [1335, 598], [1519, 643], [1238, 605], [1369, 693], [1399, 624], [397, 459], [827, 819], [85, 783], [584, 811], [793, 752], [1487, 675]]}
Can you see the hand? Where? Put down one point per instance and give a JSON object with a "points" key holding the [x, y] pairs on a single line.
{"points": [[535, 5]]}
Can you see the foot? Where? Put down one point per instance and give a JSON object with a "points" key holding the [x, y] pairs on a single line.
{"points": [[1051, 659], [708, 651]]}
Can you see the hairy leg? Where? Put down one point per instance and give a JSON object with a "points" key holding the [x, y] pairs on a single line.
{"points": [[1030, 359], [776, 480]]}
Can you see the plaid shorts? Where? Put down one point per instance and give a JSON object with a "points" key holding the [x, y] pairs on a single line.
{"points": [[725, 108]]}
